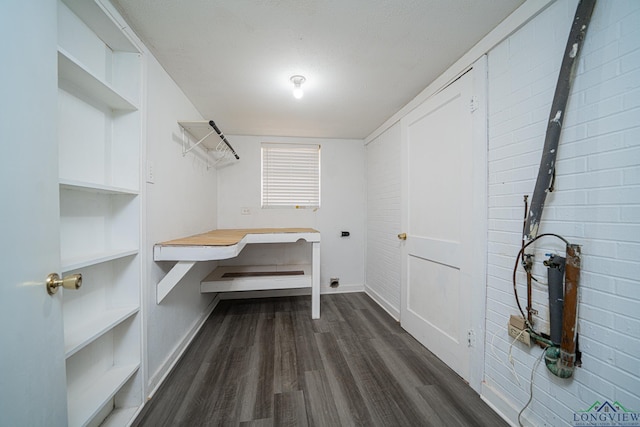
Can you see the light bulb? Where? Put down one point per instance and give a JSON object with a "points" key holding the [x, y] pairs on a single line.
{"points": [[297, 86]]}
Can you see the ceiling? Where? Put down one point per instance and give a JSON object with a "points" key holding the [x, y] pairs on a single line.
{"points": [[363, 59]]}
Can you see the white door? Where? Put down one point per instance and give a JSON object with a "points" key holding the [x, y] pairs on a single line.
{"points": [[32, 362], [437, 193]]}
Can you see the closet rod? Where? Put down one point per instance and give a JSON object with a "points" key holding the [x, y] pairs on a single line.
{"points": [[224, 138]]}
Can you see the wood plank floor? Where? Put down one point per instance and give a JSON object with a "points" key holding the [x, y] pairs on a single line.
{"points": [[264, 362]]}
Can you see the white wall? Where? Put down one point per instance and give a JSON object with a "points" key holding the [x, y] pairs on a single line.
{"points": [[181, 202], [342, 208], [383, 220], [595, 205]]}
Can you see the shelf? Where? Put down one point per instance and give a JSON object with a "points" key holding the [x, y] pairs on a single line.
{"points": [[199, 130], [70, 184], [93, 259], [120, 417], [84, 404], [257, 278], [210, 138], [77, 76], [97, 227], [75, 339], [100, 20]]}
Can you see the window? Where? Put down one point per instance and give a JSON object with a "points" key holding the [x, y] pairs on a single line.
{"points": [[290, 175]]}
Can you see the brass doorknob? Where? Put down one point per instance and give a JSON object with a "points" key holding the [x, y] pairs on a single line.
{"points": [[402, 236], [72, 281]]}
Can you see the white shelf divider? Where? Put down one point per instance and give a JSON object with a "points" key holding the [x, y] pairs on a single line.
{"points": [[120, 417], [93, 259], [96, 188], [84, 404], [102, 22], [77, 76], [75, 339]]}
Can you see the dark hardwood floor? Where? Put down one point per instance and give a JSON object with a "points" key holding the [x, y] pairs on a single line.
{"points": [[264, 362]]}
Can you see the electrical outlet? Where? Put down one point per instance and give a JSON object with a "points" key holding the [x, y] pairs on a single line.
{"points": [[519, 334], [245, 211], [517, 322]]}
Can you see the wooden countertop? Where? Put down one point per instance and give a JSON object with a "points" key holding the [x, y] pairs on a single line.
{"points": [[229, 237]]}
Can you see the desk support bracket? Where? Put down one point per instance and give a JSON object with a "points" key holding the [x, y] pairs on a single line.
{"points": [[172, 278]]}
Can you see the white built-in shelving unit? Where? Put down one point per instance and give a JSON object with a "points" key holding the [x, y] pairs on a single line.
{"points": [[99, 134]]}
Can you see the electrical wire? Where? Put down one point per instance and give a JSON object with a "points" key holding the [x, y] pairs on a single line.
{"points": [[512, 369], [510, 357], [533, 370]]}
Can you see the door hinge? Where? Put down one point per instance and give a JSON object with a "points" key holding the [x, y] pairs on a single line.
{"points": [[473, 104], [471, 338]]}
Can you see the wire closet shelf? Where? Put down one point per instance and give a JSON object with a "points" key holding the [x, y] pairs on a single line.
{"points": [[220, 150]]}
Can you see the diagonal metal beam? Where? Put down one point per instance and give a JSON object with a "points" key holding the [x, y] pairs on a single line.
{"points": [[546, 172]]}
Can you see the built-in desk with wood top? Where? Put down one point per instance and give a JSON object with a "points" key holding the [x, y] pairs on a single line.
{"points": [[227, 243]]}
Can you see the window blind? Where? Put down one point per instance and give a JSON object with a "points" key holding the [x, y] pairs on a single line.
{"points": [[290, 175]]}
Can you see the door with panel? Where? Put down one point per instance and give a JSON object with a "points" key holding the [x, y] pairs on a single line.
{"points": [[437, 255], [32, 361]]}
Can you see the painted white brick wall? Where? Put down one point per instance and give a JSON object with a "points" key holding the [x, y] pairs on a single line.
{"points": [[383, 261], [596, 204]]}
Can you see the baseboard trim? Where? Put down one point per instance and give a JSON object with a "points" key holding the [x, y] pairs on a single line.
{"points": [[342, 289], [389, 308], [499, 404], [179, 350]]}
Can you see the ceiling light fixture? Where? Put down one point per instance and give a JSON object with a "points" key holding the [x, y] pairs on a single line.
{"points": [[297, 86]]}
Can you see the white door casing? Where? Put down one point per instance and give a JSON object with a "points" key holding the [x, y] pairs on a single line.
{"points": [[444, 216], [32, 361]]}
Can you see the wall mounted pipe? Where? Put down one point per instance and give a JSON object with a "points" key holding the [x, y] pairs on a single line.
{"points": [[546, 172], [527, 263], [555, 278], [561, 360], [570, 310]]}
